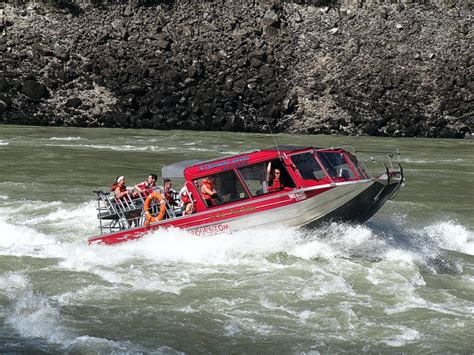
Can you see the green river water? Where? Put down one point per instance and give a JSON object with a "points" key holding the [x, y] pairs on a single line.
{"points": [[402, 282]]}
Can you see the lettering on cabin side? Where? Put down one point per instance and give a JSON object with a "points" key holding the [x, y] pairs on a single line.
{"points": [[234, 212], [226, 164], [209, 230]]}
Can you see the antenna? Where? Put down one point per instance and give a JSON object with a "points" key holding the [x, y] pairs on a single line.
{"points": [[274, 139]]}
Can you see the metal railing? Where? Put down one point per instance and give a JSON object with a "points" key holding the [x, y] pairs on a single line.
{"points": [[117, 214]]}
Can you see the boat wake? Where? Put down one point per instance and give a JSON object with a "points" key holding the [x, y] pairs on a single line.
{"points": [[57, 226], [56, 284]]}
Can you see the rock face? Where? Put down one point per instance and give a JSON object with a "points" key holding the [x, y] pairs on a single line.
{"points": [[375, 69]]}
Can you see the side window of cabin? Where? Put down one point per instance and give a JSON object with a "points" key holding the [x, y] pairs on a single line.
{"points": [[336, 165], [255, 177], [308, 166], [226, 185]]}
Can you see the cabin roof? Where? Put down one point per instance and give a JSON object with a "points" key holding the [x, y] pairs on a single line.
{"points": [[209, 167], [287, 147], [176, 170]]}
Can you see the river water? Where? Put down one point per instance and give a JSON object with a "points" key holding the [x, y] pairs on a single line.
{"points": [[403, 282]]}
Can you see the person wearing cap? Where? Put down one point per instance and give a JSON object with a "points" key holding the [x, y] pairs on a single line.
{"points": [[120, 192], [119, 189]]}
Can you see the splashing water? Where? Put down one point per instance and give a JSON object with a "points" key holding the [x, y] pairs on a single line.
{"points": [[402, 282]]}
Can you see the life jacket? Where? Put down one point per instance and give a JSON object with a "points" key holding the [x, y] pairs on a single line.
{"points": [[185, 198], [115, 185], [187, 201], [122, 188], [147, 188], [169, 198], [276, 185], [209, 185]]}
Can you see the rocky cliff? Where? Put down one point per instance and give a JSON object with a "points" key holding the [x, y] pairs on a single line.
{"points": [[350, 68]]}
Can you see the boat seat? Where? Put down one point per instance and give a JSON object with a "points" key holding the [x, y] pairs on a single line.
{"points": [[111, 208]]}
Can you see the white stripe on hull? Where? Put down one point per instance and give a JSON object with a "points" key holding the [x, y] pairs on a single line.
{"points": [[297, 214]]}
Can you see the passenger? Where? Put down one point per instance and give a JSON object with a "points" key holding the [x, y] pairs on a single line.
{"points": [[208, 191], [274, 179], [187, 200], [121, 194], [146, 187], [168, 192], [119, 188]]}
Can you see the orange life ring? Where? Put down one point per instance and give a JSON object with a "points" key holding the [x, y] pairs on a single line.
{"points": [[146, 208]]}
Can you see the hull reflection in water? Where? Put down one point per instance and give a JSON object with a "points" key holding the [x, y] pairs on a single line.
{"points": [[289, 186]]}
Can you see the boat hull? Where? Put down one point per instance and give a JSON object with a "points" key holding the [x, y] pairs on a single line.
{"points": [[352, 202]]}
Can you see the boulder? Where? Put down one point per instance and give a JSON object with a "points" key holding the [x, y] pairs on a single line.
{"points": [[34, 89], [4, 85], [74, 102], [271, 18]]}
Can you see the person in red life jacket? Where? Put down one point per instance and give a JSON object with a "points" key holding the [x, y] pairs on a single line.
{"points": [[187, 201], [121, 195], [168, 192], [146, 187], [119, 189], [274, 179], [208, 191]]}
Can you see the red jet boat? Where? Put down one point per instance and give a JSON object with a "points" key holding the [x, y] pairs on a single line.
{"points": [[314, 186]]}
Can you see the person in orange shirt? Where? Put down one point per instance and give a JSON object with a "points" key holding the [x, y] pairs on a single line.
{"points": [[209, 192]]}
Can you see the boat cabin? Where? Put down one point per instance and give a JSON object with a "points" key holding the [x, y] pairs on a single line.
{"points": [[251, 175]]}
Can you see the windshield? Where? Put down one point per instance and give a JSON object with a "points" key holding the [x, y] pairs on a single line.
{"points": [[336, 165], [359, 167], [308, 166]]}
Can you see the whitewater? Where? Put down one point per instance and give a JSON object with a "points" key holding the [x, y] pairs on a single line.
{"points": [[403, 282]]}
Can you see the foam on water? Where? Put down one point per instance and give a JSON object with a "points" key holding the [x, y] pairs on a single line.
{"points": [[379, 266], [237, 248], [65, 138], [77, 217], [124, 147], [452, 236], [200, 149], [12, 284], [405, 336], [33, 315], [138, 148], [17, 239], [433, 161], [240, 247]]}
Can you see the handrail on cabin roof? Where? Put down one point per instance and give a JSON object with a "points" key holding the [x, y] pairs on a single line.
{"points": [[225, 157]]}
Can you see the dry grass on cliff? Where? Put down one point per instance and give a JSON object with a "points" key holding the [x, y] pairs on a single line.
{"points": [[99, 99]]}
